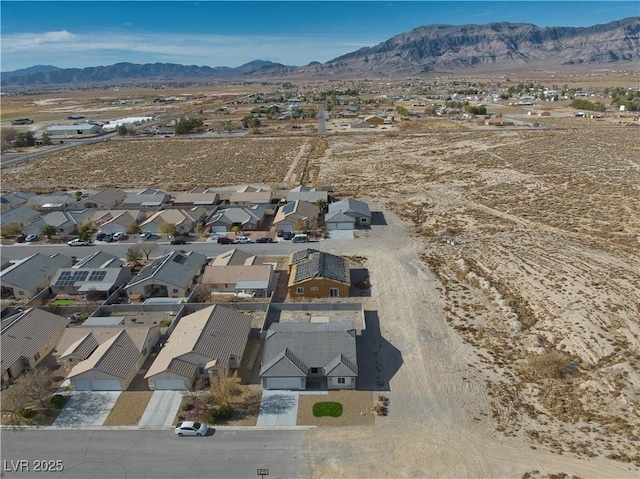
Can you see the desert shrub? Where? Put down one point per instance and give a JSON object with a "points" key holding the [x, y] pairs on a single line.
{"points": [[57, 401], [225, 411], [210, 416], [552, 365], [27, 413], [187, 406]]}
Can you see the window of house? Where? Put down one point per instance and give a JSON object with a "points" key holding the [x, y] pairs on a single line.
{"points": [[299, 290], [342, 381], [175, 290], [314, 370], [37, 356], [334, 292]]}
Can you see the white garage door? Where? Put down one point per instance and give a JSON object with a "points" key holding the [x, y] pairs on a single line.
{"points": [[339, 226], [82, 385], [106, 385], [284, 383], [218, 229], [171, 384]]}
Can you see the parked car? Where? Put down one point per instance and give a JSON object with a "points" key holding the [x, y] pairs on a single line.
{"points": [[145, 235], [78, 242], [191, 428], [178, 241], [224, 240], [107, 238], [287, 235], [301, 238], [264, 239], [30, 238], [117, 236], [243, 240], [101, 236]]}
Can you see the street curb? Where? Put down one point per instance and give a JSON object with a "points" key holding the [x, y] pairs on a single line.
{"points": [[138, 428]]}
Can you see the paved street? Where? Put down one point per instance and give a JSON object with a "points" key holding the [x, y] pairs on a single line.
{"points": [[140, 454]]}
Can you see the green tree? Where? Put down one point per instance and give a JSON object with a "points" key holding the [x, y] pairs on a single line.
{"points": [[299, 225], [168, 229], [122, 130], [78, 195], [322, 204], [134, 229], [476, 109], [83, 231], [402, 111], [184, 126], [48, 231], [25, 138], [46, 139]]}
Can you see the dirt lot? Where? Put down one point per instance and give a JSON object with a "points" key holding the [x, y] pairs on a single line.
{"points": [[357, 409], [519, 345]]}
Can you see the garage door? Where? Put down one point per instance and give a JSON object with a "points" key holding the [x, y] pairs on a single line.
{"points": [[284, 383], [171, 384], [106, 385], [82, 385], [285, 227], [339, 226], [218, 229]]}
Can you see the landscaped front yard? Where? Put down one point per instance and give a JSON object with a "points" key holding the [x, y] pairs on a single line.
{"points": [[129, 408], [357, 409]]}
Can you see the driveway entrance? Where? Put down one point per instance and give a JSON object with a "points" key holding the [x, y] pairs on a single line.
{"points": [[278, 408]]}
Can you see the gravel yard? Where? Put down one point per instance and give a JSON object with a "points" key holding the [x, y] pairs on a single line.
{"points": [[129, 408]]}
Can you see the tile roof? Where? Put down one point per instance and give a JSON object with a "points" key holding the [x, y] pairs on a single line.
{"points": [[213, 333], [114, 357], [25, 333]]}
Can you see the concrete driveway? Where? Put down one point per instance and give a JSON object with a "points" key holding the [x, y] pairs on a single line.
{"points": [[278, 408], [341, 234], [87, 408], [162, 409]]}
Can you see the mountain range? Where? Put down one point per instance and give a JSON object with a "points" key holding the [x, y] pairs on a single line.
{"points": [[494, 47]]}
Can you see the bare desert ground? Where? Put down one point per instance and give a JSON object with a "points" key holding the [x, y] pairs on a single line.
{"points": [[519, 345]]}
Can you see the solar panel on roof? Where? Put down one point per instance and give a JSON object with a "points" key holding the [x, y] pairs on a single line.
{"points": [[97, 275], [288, 208]]}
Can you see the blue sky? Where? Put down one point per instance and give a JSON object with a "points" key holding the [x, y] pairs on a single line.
{"points": [[91, 33]]}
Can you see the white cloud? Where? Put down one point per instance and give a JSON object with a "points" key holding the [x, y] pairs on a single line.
{"points": [[66, 50]]}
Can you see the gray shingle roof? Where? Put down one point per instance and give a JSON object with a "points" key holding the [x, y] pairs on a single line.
{"points": [[291, 348], [25, 333], [322, 265], [349, 205], [33, 270], [99, 259]]}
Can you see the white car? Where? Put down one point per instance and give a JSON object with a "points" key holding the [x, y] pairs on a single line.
{"points": [[78, 242], [243, 240], [31, 238], [190, 428], [117, 236]]}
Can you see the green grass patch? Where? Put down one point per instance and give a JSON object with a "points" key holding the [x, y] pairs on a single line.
{"points": [[62, 302], [333, 409]]}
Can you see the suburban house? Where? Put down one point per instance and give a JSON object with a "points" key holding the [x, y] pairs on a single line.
{"points": [[99, 259], [208, 343], [347, 214], [244, 218], [183, 219], [148, 198], [57, 200], [360, 124], [310, 356], [290, 214], [246, 198], [186, 200], [73, 131], [103, 200], [305, 193], [28, 277], [105, 358], [240, 273], [172, 275], [116, 221], [9, 201], [496, 121], [22, 215], [315, 274], [63, 221], [27, 337], [102, 282]]}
